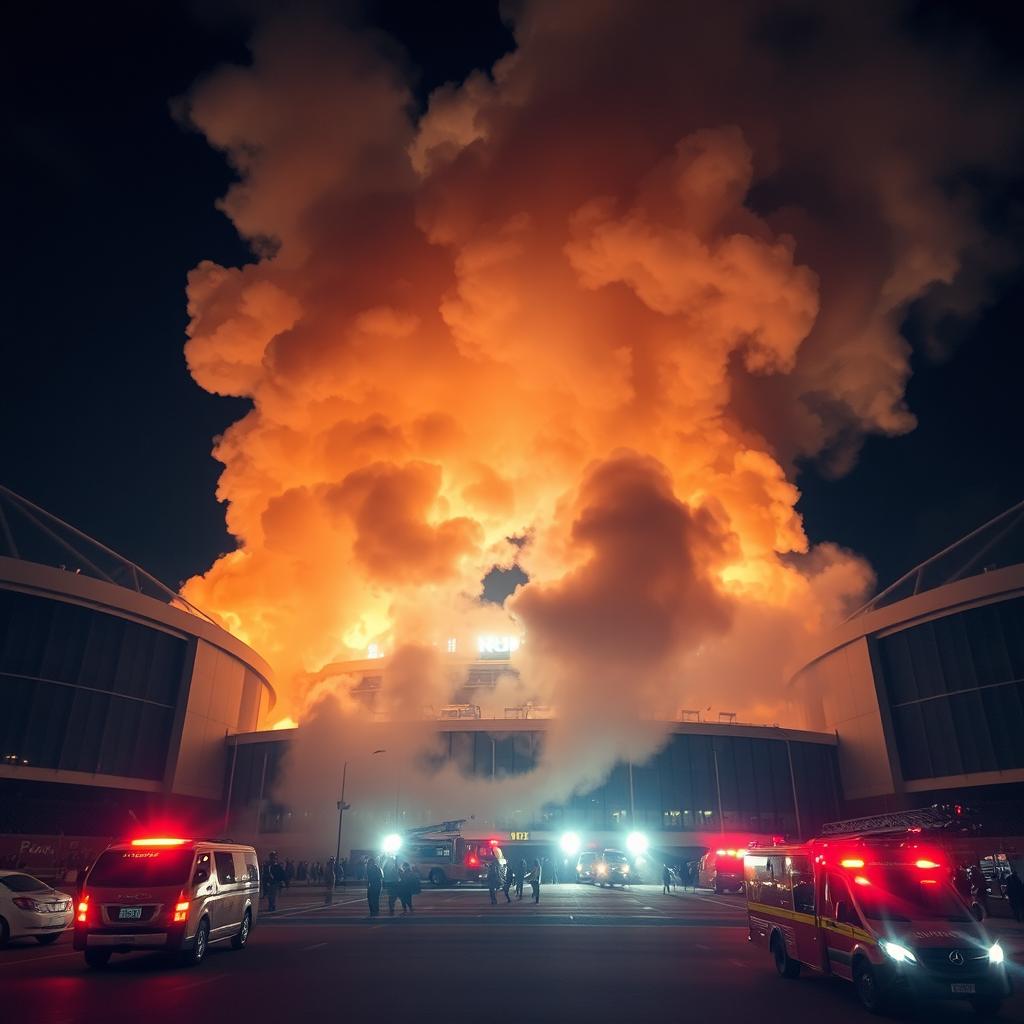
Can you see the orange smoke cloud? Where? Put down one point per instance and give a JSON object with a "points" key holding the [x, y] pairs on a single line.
{"points": [[603, 297]]}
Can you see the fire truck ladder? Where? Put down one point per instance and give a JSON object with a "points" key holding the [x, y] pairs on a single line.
{"points": [[935, 818], [439, 828]]}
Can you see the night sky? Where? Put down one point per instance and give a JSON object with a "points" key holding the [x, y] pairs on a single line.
{"points": [[111, 202]]}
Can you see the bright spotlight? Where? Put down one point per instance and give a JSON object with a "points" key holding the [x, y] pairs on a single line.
{"points": [[392, 844], [637, 844], [570, 844]]}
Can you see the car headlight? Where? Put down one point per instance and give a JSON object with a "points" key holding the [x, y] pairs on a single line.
{"points": [[894, 951], [625, 869], [995, 954]]}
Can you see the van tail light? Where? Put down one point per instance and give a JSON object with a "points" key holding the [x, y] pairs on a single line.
{"points": [[180, 911], [83, 910], [472, 861]]}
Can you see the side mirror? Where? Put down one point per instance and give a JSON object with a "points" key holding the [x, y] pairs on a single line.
{"points": [[977, 912], [200, 876]]}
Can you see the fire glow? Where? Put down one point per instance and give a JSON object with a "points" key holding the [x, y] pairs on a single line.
{"points": [[460, 357]]}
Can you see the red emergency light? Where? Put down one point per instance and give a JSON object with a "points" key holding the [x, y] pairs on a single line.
{"points": [[851, 862], [925, 864], [160, 841], [472, 861]]}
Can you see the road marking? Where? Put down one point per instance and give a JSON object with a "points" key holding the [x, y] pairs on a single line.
{"points": [[39, 959], [196, 984], [312, 908], [722, 903]]}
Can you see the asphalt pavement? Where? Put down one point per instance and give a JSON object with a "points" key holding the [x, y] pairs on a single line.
{"points": [[584, 954]]}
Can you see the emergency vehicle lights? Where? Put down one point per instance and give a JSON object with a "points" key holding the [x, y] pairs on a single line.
{"points": [[472, 861], [860, 880], [894, 951], [391, 844], [181, 911], [83, 909], [570, 844], [995, 953], [637, 844], [925, 864], [159, 842], [852, 862], [730, 853]]}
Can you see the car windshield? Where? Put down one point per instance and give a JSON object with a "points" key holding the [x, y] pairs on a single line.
{"points": [[141, 867], [23, 883], [900, 894], [615, 858]]}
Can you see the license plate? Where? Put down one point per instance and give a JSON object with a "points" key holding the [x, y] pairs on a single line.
{"points": [[129, 914], [962, 988]]}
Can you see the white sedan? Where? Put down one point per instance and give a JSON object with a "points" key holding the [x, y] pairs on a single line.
{"points": [[31, 907]]}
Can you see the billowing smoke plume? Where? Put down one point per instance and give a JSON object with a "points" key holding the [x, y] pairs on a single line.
{"points": [[601, 298]]}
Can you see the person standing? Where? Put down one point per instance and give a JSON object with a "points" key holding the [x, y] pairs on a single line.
{"points": [[493, 882], [391, 882], [275, 880], [520, 878], [535, 873], [510, 880], [666, 880], [374, 883], [406, 886], [1015, 895]]}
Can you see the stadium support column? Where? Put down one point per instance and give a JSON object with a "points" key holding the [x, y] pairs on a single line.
{"points": [[718, 787], [796, 799]]}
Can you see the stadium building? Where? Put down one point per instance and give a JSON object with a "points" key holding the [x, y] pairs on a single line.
{"points": [[125, 703]]}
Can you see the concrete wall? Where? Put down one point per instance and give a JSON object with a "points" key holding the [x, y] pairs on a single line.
{"points": [[838, 695], [223, 699]]}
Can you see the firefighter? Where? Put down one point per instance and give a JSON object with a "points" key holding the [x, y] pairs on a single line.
{"points": [[520, 878], [374, 882], [275, 880], [535, 880], [493, 881], [510, 880]]}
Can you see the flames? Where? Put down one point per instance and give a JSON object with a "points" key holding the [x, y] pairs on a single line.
{"points": [[572, 318]]}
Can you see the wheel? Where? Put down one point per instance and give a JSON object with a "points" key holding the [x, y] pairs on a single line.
{"points": [[437, 878], [196, 955], [986, 1006], [872, 998], [238, 941], [5, 933], [45, 940], [97, 957], [784, 963]]}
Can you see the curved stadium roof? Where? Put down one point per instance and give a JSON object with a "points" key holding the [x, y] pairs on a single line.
{"points": [[996, 545]]}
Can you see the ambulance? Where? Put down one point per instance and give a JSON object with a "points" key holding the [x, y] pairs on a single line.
{"points": [[879, 912]]}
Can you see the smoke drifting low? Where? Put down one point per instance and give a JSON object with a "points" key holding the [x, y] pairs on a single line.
{"points": [[607, 297]]}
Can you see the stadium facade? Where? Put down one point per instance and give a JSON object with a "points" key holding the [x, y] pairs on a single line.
{"points": [[124, 703]]}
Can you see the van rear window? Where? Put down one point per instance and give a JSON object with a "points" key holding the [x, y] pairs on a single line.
{"points": [[141, 867]]}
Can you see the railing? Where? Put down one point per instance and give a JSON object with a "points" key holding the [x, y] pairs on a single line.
{"points": [[35, 535]]}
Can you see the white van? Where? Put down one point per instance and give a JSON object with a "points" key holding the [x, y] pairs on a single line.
{"points": [[172, 895]]}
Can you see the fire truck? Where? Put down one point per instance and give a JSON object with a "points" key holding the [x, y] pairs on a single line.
{"points": [[440, 854], [876, 908]]}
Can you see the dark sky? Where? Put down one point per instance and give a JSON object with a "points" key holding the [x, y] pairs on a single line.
{"points": [[110, 203]]}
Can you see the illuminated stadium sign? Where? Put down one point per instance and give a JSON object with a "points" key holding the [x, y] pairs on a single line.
{"points": [[493, 646]]}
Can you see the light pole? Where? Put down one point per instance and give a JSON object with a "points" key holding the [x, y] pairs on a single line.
{"points": [[342, 808]]}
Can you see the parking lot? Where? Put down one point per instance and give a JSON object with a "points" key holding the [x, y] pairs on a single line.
{"points": [[584, 953]]}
